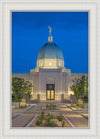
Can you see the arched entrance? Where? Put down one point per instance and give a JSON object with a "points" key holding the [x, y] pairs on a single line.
{"points": [[50, 89]]}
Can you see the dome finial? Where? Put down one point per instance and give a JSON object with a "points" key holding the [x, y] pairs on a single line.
{"points": [[50, 29]]}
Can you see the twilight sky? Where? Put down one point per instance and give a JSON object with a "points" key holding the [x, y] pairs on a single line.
{"points": [[30, 32]]}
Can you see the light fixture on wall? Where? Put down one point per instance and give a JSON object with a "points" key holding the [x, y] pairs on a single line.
{"points": [[50, 64]]}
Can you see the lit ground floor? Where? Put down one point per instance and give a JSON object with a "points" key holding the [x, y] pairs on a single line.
{"points": [[25, 118]]}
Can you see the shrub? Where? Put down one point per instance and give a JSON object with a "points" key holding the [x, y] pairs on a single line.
{"points": [[71, 104], [38, 122], [50, 116], [42, 113], [16, 107], [50, 106], [77, 104], [47, 106], [86, 112], [49, 123], [82, 106], [54, 106], [76, 107], [23, 106], [63, 123], [41, 117], [60, 118]]}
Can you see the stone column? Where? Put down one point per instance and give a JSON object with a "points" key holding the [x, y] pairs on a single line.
{"points": [[38, 98], [62, 98]]}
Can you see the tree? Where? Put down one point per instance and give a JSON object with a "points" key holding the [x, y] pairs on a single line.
{"points": [[80, 87], [85, 95], [28, 96], [27, 89], [75, 88], [17, 87], [18, 96]]}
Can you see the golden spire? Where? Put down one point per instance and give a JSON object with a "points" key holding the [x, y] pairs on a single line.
{"points": [[50, 29]]}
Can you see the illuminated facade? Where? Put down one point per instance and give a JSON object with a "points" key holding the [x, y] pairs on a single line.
{"points": [[50, 79]]}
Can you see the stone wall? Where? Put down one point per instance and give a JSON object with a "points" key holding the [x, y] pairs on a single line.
{"points": [[40, 77]]}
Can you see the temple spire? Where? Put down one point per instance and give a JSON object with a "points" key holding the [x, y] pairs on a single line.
{"points": [[50, 37]]}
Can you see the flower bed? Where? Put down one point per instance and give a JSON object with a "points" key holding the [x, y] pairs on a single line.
{"points": [[78, 106], [49, 120], [51, 106], [22, 107]]}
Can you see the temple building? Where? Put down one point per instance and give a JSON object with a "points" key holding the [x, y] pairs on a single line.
{"points": [[50, 79]]}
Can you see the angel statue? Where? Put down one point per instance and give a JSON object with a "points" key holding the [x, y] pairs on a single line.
{"points": [[50, 29]]}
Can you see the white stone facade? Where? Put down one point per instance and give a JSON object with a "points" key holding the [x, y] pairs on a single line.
{"points": [[50, 72], [61, 78]]}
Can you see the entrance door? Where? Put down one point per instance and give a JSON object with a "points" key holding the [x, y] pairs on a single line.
{"points": [[50, 93]]}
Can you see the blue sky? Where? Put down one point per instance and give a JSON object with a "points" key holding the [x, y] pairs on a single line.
{"points": [[30, 32]]}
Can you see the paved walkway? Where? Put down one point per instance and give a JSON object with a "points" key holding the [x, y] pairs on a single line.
{"points": [[22, 120], [76, 119]]}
